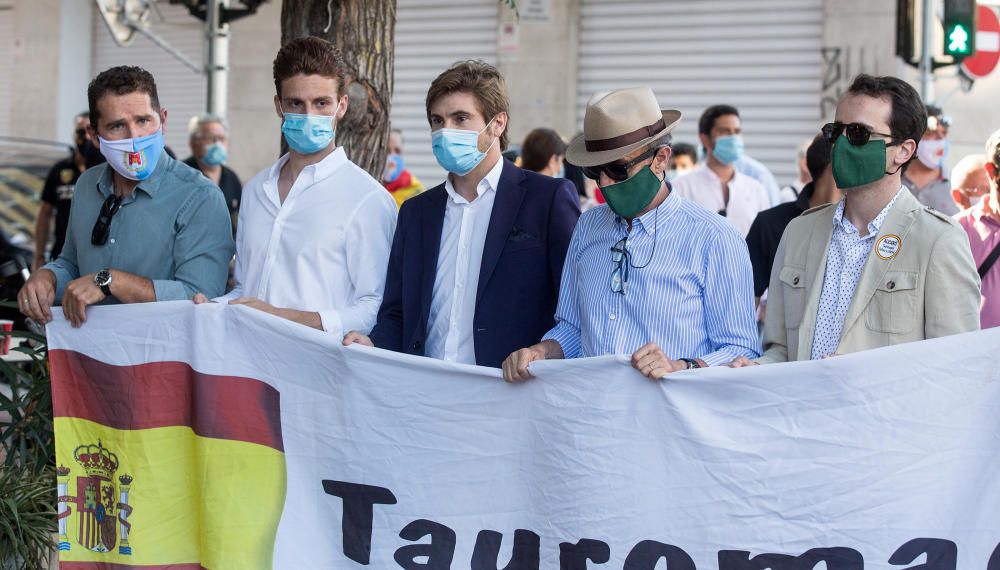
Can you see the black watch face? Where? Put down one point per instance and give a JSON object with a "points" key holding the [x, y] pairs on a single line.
{"points": [[103, 277]]}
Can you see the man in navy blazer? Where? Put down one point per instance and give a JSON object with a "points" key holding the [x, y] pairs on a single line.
{"points": [[475, 263]]}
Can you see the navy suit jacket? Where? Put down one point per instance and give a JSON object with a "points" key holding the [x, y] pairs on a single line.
{"points": [[530, 228]]}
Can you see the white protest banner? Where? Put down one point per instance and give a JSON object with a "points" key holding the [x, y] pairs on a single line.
{"points": [[357, 457]]}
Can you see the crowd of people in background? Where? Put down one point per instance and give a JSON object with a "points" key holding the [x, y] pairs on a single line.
{"points": [[618, 241]]}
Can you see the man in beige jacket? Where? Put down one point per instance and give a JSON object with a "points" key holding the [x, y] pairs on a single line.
{"points": [[878, 268]]}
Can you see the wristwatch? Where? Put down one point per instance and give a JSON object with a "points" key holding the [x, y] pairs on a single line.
{"points": [[103, 280], [691, 363]]}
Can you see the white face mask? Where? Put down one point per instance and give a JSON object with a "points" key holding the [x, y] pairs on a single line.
{"points": [[976, 200], [932, 153]]}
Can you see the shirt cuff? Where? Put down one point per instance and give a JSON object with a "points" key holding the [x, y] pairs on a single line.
{"points": [[728, 354], [330, 320], [63, 277], [568, 338], [170, 291]]}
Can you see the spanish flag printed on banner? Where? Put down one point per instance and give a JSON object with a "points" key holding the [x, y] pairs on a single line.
{"points": [[160, 466]]}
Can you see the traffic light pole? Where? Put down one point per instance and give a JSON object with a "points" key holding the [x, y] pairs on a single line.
{"points": [[217, 64], [926, 62]]}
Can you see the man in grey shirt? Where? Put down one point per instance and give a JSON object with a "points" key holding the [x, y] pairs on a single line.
{"points": [[143, 227], [925, 177]]}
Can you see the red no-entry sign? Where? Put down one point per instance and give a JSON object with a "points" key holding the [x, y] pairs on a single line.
{"points": [[987, 45]]}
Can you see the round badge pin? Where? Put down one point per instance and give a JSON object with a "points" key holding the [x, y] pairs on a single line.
{"points": [[888, 246]]}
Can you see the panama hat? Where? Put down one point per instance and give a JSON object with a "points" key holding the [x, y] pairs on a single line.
{"points": [[618, 123]]}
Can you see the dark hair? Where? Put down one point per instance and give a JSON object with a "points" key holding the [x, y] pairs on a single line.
{"points": [[685, 149], [480, 79], [539, 147], [908, 118], [311, 56], [120, 80], [818, 156], [708, 118]]}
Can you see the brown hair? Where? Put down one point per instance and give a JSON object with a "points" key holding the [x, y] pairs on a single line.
{"points": [[311, 56], [539, 147], [120, 80], [480, 79]]}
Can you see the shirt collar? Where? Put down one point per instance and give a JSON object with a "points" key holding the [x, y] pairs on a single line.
{"points": [[489, 182], [874, 226], [314, 172], [151, 185]]}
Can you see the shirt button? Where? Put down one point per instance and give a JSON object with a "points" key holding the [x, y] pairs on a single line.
{"points": [[611, 316], [891, 285], [112, 240]]}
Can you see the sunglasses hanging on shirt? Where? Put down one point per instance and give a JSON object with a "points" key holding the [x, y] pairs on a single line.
{"points": [[102, 227]]}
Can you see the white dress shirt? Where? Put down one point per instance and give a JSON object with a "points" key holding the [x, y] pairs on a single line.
{"points": [[746, 196], [325, 249], [845, 260], [453, 301]]}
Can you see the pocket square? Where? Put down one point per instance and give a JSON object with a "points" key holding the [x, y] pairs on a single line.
{"points": [[518, 235]]}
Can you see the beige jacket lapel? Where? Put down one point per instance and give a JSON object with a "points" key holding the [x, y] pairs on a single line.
{"points": [[897, 222], [819, 245]]}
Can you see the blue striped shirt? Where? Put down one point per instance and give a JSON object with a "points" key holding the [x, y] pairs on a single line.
{"points": [[694, 298]]}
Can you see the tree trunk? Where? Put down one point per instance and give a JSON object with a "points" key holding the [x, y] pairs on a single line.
{"points": [[363, 30]]}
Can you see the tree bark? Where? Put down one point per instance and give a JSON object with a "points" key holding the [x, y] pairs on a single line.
{"points": [[363, 30]]}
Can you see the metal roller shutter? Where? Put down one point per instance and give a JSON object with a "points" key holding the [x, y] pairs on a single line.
{"points": [[762, 56], [6, 57], [181, 90], [430, 36]]}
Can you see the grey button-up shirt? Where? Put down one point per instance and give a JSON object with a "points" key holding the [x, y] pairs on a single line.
{"points": [[174, 230]]}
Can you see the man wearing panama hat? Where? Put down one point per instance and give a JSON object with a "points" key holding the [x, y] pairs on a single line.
{"points": [[649, 274]]}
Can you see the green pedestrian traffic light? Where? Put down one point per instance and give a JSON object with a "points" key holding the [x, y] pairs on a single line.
{"points": [[960, 28], [958, 41]]}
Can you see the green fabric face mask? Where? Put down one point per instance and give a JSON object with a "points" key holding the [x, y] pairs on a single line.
{"points": [[628, 197], [855, 166]]}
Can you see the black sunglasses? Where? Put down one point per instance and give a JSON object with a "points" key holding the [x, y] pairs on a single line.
{"points": [[617, 171], [102, 227], [622, 260], [857, 134]]}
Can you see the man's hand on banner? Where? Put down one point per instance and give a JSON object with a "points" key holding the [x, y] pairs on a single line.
{"points": [[36, 297], [741, 361], [200, 299], [354, 337], [515, 367], [80, 293], [650, 361]]}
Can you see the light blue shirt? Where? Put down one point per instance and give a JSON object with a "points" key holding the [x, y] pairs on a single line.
{"points": [[174, 230], [692, 292], [844, 263], [753, 168]]}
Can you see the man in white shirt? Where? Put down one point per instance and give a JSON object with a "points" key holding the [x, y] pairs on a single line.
{"points": [[717, 184], [476, 262], [314, 229]]}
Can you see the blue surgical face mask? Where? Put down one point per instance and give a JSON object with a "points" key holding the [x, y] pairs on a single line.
{"points": [[728, 149], [136, 158], [457, 150], [215, 155], [308, 134], [561, 173]]}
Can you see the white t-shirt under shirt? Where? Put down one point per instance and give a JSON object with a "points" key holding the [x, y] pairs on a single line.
{"points": [[325, 249], [746, 196]]}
